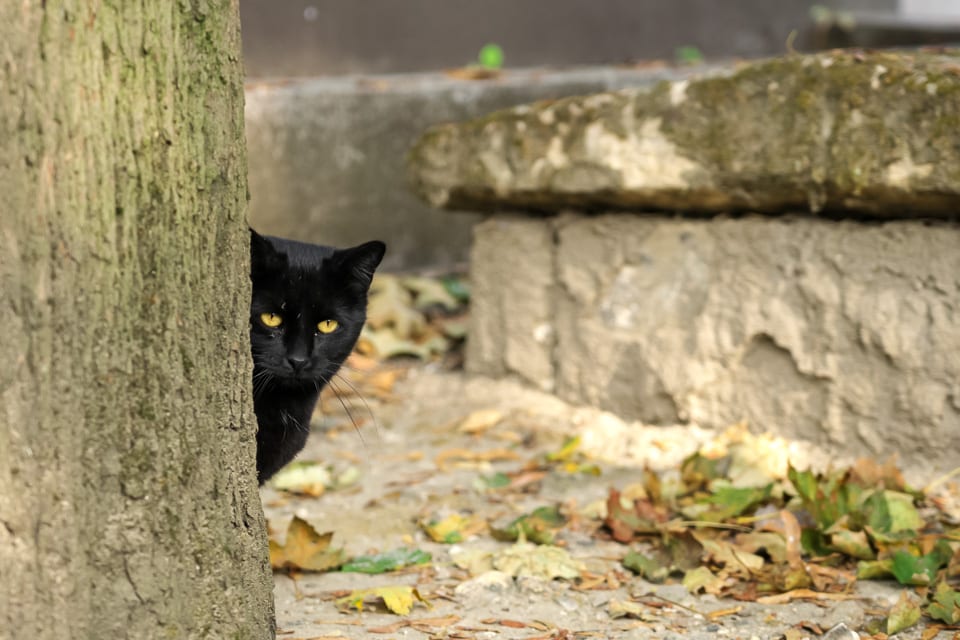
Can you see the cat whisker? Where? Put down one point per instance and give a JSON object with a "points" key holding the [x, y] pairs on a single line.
{"points": [[337, 392], [356, 392]]}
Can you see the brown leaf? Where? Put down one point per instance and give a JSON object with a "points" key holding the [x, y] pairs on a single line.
{"points": [[305, 549], [459, 457], [720, 613], [805, 594], [792, 537], [473, 73]]}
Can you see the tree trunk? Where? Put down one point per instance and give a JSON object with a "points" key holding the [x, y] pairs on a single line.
{"points": [[128, 500]]}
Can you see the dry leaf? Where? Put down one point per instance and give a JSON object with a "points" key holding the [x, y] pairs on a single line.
{"points": [[805, 594], [479, 421], [454, 528], [457, 457], [305, 549], [397, 598]]}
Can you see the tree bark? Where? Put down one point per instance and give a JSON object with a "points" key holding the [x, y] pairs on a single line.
{"points": [[128, 499]]}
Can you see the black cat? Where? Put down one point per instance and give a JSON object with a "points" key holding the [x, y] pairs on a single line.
{"points": [[308, 306]]}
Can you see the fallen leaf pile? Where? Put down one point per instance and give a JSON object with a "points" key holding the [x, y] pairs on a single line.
{"points": [[414, 316], [735, 521]]}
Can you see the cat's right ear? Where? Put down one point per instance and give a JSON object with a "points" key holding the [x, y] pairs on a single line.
{"points": [[263, 256]]}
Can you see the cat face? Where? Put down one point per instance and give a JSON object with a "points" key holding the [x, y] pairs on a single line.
{"points": [[307, 309]]}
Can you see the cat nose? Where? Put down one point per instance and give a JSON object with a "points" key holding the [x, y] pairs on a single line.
{"points": [[297, 363]]}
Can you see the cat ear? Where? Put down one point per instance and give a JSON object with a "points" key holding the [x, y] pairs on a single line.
{"points": [[262, 254], [361, 261]]}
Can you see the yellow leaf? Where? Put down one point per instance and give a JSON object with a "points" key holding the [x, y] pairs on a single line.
{"points": [[390, 304], [703, 579], [397, 598], [454, 528]]}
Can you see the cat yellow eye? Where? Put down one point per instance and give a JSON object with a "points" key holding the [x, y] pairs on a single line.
{"points": [[328, 326], [271, 320]]}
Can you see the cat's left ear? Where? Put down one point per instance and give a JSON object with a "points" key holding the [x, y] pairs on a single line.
{"points": [[361, 261]]}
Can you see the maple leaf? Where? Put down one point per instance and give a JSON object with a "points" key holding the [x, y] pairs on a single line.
{"points": [[304, 549]]}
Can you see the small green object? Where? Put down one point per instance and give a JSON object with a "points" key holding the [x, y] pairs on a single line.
{"points": [[914, 570], [491, 56], [458, 288], [688, 55], [389, 561], [496, 481], [538, 526], [646, 566], [874, 569]]}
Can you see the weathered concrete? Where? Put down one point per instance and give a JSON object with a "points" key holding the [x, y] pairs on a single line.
{"points": [[327, 155], [841, 333], [872, 133]]}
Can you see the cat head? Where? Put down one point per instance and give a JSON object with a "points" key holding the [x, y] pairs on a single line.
{"points": [[308, 306]]}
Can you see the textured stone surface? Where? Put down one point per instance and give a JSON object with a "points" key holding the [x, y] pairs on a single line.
{"points": [[841, 333], [327, 154], [877, 134]]}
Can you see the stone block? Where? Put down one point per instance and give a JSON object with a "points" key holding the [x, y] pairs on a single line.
{"points": [[876, 134], [842, 333]]}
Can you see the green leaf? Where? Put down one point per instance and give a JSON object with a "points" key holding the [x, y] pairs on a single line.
{"points": [[457, 288], [646, 567], [946, 605], [497, 480], [911, 569], [828, 498], [852, 543], [688, 55], [874, 569], [491, 56], [538, 526], [733, 501], [904, 614], [814, 543], [892, 512], [389, 561]]}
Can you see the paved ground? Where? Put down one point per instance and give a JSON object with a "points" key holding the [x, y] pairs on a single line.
{"points": [[402, 482]]}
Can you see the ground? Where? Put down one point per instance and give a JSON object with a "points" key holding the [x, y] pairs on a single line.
{"points": [[436, 434]]}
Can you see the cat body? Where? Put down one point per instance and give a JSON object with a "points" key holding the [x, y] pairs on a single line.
{"points": [[307, 309]]}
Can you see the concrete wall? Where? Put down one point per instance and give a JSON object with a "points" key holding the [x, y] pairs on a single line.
{"points": [[327, 157], [841, 333]]}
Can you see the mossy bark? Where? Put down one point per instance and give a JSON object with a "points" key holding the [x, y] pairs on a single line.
{"points": [[128, 499]]}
